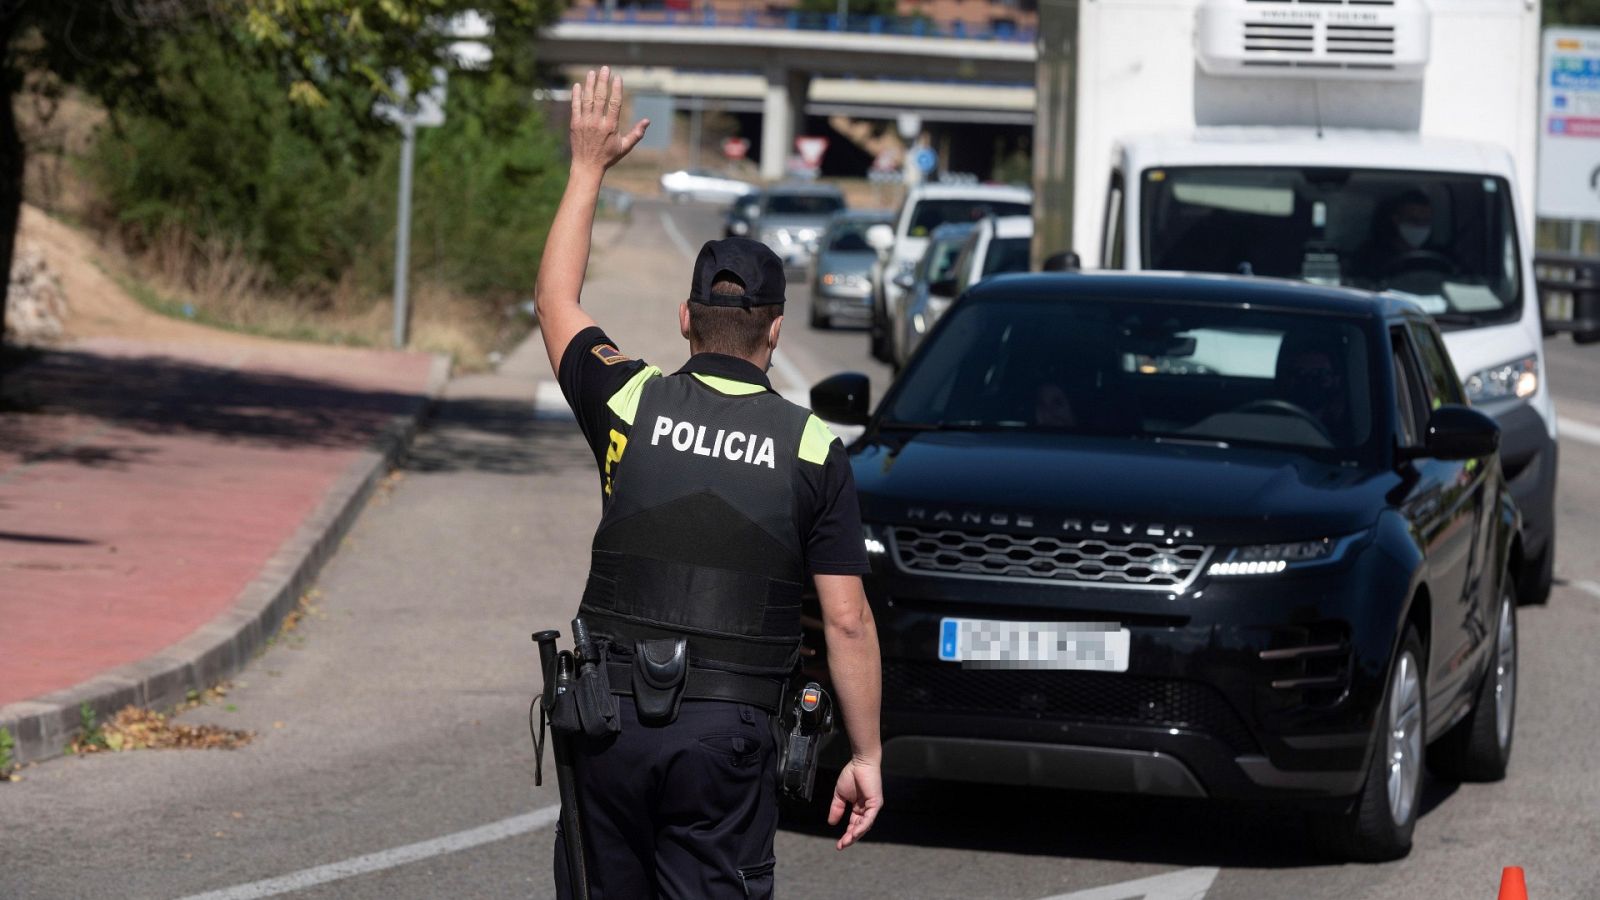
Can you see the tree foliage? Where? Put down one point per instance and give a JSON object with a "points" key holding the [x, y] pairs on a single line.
{"points": [[271, 100]]}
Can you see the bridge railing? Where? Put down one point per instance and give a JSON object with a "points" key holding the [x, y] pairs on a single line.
{"points": [[794, 20]]}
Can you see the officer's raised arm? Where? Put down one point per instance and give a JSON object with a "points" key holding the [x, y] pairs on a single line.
{"points": [[597, 145]]}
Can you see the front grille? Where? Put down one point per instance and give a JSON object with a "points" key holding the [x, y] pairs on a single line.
{"points": [[1099, 561], [1087, 697]]}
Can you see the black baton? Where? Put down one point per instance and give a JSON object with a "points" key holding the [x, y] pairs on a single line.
{"points": [[557, 668]]}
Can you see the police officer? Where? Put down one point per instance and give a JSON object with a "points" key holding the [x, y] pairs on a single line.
{"points": [[719, 499]]}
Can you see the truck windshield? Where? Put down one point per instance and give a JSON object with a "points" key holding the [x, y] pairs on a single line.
{"points": [[1447, 240], [930, 214], [1189, 373]]}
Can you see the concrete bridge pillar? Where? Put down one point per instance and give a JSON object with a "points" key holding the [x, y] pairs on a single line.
{"points": [[782, 107]]}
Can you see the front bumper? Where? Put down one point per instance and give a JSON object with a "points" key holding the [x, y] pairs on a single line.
{"points": [[1245, 688], [1530, 458], [854, 303]]}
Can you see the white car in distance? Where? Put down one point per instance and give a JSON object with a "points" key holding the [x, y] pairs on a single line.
{"points": [[702, 185]]}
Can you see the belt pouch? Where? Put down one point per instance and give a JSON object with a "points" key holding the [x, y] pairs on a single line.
{"points": [[660, 670], [564, 713], [597, 708]]}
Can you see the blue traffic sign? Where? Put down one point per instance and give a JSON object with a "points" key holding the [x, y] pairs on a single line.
{"points": [[925, 159]]}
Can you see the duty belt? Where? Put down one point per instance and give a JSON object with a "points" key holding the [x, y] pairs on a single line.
{"points": [[709, 684]]}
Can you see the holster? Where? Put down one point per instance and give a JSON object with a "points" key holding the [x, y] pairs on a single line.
{"points": [[597, 708], [660, 670]]}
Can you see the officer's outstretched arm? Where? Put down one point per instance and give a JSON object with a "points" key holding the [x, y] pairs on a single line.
{"points": [[857, 673], [596, 147]]}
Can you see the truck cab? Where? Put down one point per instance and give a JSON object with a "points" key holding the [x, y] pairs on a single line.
{"points": [[1385, 146]]}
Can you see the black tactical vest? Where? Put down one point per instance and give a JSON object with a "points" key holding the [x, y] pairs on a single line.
{"points": [[699, 538]]}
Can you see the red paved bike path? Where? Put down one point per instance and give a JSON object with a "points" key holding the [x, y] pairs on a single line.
{"points": [[143, 486]]}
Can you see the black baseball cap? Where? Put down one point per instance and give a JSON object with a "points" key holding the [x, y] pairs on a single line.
{"points": [[751, 263]]}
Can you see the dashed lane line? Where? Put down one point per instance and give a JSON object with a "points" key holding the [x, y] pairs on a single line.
{"points": [[1184, 884], [1592, 588], [387, 859], [1579, 431]]}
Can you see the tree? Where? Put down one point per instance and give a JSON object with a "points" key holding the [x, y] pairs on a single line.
{"points": [[323, 52]]}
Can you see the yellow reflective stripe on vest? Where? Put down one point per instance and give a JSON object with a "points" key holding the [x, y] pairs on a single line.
{"points": [[814, 441], [728, 385], [625, 402]]}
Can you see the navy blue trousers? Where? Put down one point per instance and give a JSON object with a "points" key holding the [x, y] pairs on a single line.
{"points": [[685, 811]]}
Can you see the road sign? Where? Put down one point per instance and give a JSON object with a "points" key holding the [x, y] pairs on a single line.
{"points": [[735, 147], [811, 148], [887, 160], [925, 159], [1569, 125]]}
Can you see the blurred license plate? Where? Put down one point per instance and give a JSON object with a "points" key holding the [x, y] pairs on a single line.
{"points": [[987, 644]]}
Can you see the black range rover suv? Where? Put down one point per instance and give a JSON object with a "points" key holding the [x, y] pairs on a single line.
{"points": [[1189, 535]]}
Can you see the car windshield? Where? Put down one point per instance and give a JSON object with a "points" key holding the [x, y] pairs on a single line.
{"points": [[1006, 255], [1188, 373], [930, 214], [938, 262], [804, 204], [850, 236], [1447, 240]]}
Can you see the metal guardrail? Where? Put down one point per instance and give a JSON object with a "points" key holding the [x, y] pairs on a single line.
{"points": [[1569, 295], [911, 26]]}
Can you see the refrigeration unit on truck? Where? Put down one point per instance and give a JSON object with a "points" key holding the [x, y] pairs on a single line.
{"points": [[1382, 144]]}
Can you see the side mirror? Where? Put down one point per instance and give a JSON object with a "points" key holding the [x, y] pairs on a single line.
{"points": [[1065, 261], [881, 238], [944, 287], [1458, 432], [843, 398]]}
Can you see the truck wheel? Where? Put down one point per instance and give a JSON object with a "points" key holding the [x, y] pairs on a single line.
{"points": [[1379, 823], [1479, 747], [1538, 576]]}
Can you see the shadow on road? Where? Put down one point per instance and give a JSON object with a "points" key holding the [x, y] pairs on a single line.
{"points": [[43, 401], [497, 436], [1068, 825]]}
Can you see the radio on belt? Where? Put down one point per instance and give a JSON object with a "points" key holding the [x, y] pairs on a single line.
{"points": [[809, 721]]}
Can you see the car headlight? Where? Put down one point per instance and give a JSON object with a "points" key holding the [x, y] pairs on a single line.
{"points": [[740, 228], [806, 234], [1518, 378], [776, 236], [1270, 559], [918, 323], [875, 544], [851, 280]]}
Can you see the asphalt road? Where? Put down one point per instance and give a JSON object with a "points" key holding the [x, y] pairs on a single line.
{"points": [[392, 758]]}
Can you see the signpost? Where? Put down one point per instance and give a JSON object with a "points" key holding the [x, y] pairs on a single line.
{"points": [[426, 110]]}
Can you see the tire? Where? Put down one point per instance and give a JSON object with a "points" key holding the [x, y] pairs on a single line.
{"points": [[880, 341], [1478, 748], [1538, 577], [818, 320], [1376, 829]]}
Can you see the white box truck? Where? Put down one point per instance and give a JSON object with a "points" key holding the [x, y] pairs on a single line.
{"points": [[1382, 144]]}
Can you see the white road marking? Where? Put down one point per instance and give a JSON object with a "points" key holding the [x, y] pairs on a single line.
{"points": [[678, 240], [550, 403], [1185, 884], [387, 859], [1578, 431], [1591, 588]]}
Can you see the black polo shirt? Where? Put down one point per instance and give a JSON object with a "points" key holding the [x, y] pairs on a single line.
{"points": [[602, 386]]}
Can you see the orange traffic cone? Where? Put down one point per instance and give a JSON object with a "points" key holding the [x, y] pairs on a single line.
{"points": [[1512, 885]]}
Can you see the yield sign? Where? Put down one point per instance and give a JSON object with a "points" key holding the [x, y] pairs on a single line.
{"points": [[811, 148]]}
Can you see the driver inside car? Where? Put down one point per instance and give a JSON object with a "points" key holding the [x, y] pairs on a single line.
{"points": [[1311, 377], [1401, 230]]}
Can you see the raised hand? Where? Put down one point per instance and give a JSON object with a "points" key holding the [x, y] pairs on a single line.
{"points": [[596, 108]]}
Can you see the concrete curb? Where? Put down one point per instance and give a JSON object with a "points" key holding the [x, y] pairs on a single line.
{"points": [[43, 726]]}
